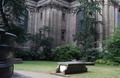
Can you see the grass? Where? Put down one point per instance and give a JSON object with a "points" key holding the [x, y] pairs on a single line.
{"points": [[100, 71], [37, 66], [97, 71]]}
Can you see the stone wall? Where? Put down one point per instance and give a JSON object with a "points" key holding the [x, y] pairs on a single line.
{"points": [[52, 11]]}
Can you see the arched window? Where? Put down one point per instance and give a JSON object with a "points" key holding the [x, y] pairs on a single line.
{"points": [[79, 17], [24, 20], [118, 17]]}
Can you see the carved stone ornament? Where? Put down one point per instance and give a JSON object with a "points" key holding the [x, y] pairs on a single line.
{"points": [[56, 6]]}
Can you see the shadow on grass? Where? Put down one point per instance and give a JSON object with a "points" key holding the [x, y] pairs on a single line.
{"points": [[81, 73]]}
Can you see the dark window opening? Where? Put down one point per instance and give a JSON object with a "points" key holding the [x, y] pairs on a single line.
{"points": [[63, 17], [63, 35], [118, 17], [40, 34], [41, 16], [79, 17], [23, 20]]}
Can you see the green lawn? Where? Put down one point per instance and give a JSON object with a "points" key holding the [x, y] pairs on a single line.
{"points": [[97, 71], [37, 66]]}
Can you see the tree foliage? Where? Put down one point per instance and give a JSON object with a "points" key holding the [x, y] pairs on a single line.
{"points": [[87, 32], [42, 39], [113, 45], [10, 11], [19, 31]]}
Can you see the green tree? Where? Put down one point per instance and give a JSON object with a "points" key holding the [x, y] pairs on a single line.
{"points": [[41, 38], [87, 32], [113, 45], [45, 30], [10, 11]]}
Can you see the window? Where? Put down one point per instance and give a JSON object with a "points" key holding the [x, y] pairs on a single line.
{"points": [[23, 20], [41, 16], [79, 17], [118, 17], [40, 34], [63, 16], [63, 35]]}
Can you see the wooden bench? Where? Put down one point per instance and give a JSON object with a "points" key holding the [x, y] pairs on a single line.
{"points": [[72, 67]]}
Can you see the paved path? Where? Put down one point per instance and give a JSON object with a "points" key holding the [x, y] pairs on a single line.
{"points": [[27, 74]]}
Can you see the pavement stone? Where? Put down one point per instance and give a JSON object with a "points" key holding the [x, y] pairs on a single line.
{"points": [[27, 74]]}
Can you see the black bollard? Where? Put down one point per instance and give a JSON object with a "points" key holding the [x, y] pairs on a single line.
{"points": [[6, 53]]}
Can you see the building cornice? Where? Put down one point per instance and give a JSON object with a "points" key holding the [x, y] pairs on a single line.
{"points": [[55, 6], [46, 4], [63, 5]]}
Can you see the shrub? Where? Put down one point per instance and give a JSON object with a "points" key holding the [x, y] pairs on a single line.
{"points": [[108, 63], [100, 61], [27, 55], [114, 63], [92, 54], [66, 53], [46, 54], [113, 45], [104, 55], [103, 62], [97, 61], [83, 59]]}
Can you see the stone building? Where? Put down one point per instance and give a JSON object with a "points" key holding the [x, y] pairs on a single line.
{"points": [[59, 15]]}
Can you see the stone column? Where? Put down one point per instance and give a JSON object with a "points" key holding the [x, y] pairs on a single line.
{"points": [[106, 18], [40, 21], [44, 17], [32, 22], [48, 17], [29, 22], [71, 28], [111, 18], [100, 30], [36, 23], [51, 22], [74, 28], [54, 25], [67, 28], [59, 19]]}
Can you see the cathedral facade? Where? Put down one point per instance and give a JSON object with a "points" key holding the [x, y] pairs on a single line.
{"points": [[60, 16]]}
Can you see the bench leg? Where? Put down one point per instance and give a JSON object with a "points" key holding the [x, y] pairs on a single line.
{"points": [[57, 70], [75, 69]]}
